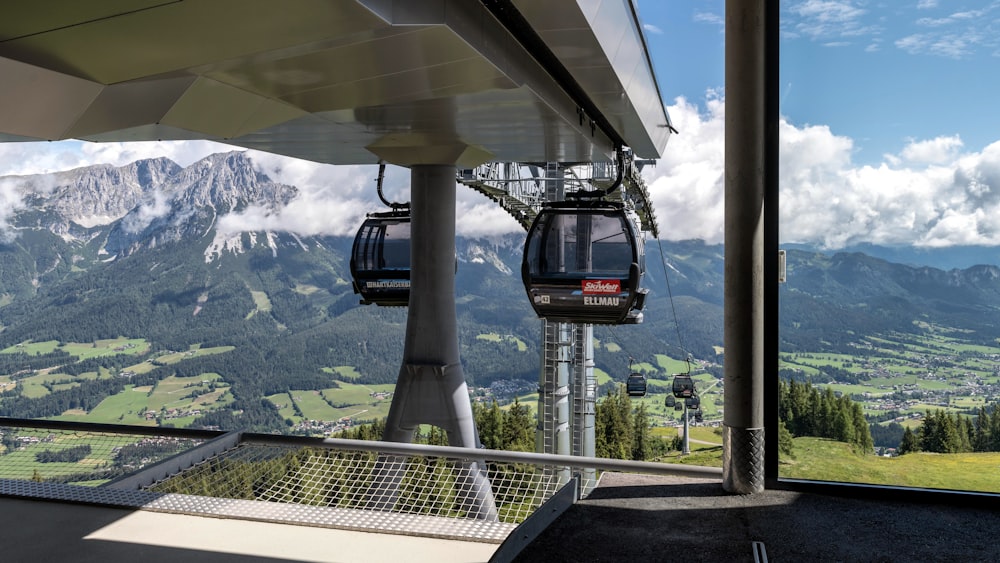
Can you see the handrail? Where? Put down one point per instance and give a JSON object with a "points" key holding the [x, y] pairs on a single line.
{"points": [[396, 448]]}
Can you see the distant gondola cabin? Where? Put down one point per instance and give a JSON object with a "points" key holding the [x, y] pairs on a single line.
{"points": [[636, 385], [683, 386]]}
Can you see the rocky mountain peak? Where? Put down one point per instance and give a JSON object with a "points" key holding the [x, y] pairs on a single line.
{"points": [[226, 182], [188, 202], [92, 195]]}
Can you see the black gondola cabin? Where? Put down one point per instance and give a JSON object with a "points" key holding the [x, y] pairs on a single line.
{"points": [[380, 259], [636, 385], [683, 386], [583, 263]]}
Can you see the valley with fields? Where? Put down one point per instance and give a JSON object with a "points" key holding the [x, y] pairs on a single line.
{"points": [[165, 321]]}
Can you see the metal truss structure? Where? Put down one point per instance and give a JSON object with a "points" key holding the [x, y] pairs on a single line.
{"points": [[566, 380]]}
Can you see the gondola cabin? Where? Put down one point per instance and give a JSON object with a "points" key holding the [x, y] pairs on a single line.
{"points": [[692, 402], [698, 416], [636, 385], [683, 386], [380, 259], [583, 263], [670, 401]]}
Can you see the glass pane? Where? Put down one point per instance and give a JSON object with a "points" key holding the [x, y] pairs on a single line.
{"points": [[611, 250], [396, 247], [889, 213]]}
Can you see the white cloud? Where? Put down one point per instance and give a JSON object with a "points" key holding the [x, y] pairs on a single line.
{"points": [[10, 202], [147, 212], [956, 35], [709, 18], [304, 216], [483, 219], [930, 194], [932, 151], [826, 20], [333, 200], [43, 157], [686, 185], [947, 45], [183, 153], [652, 29]]}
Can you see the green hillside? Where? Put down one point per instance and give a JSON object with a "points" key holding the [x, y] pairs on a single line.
{"points": [[826, 460]]}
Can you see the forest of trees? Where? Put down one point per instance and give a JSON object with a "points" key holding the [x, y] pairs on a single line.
{"points": [[805, 411], [621, 430], [512, 429], [942, 432], [68, 455]]}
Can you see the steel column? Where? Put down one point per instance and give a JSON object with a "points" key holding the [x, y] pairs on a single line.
{"points": [[431, 386], [743, 421]]}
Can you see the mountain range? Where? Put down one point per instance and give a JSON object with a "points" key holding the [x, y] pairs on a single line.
{"points": [[135, 251]]}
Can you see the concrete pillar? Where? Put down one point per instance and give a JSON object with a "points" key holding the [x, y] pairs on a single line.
{"points": [[431, 386], [743, 420]]}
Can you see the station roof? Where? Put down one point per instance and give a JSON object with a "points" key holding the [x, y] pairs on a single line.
{"points": [[337, 81]]}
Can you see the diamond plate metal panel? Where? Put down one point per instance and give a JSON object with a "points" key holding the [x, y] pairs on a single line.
{"points": [[743, 460]]}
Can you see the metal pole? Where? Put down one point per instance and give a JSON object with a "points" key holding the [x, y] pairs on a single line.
{"points": [[687, 432], [743, 420], [584, 399]]}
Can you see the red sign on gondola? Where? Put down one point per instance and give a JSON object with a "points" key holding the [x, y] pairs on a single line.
{"points": [[601, 287]]}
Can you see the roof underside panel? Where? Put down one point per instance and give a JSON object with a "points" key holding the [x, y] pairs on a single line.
{"points": [[336, 81]]}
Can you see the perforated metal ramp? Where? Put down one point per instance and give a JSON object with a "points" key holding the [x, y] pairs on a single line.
{"points": [[273, 512]]}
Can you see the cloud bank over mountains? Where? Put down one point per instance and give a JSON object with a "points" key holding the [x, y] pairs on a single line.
{"points": [[933, 193]]}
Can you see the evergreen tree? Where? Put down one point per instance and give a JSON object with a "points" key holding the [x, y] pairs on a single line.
{"points": [[785, 443], [823, 415], [641, 439], [946, 434], [966, 434], [489, 422], [862, 432], [518, 430], [910, 442], [930, 434], [981, 437], [437, 436], [995, 429], [614, 426]]}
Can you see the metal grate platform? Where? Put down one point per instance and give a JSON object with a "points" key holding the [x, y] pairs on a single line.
{"points": [[265, 511]]}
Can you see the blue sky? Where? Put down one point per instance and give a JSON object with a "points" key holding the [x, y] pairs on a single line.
{"points": [[882, 73], [888, 134]]}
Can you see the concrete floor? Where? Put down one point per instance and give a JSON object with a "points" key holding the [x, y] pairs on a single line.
{"points": [[645, 518]]}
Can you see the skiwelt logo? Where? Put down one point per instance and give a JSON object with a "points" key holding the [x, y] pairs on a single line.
{"points": [[592, 287]]}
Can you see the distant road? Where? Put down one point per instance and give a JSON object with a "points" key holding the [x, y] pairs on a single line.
{"points": [[695, 441]]}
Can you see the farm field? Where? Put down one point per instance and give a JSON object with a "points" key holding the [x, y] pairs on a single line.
{"points": [[174, 400], [907, 375], [320, 411], [133, 346]]}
